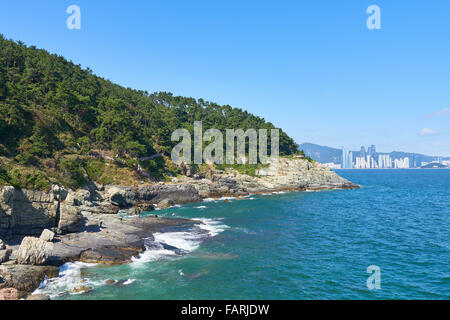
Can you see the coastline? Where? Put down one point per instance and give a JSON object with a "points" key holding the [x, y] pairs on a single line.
{"points": [[102, 224]]}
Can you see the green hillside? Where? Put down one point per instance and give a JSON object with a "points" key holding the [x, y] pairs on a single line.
{"points": [[57, 118]]}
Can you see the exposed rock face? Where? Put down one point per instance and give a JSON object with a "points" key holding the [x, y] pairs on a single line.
{"points": [[41, 297], [47, 235], [25, 278], [112, 255], [34, 251], [82, 289], [166, 203], [26, 212], [9, 294], [287, 174], [118, 196], [70, 219], [4, 255]]}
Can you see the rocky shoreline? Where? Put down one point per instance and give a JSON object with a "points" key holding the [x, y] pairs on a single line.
{"points": [[101, 224]]}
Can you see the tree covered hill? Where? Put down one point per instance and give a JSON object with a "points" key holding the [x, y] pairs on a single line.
{"points": [[54, 114]]}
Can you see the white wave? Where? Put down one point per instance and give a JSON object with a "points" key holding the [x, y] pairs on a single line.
{"points": [[220, 199], [227, 198], [201, 207], [279, 192], [129, 281], [213, 226], [186, 241], [156, 252], [69, 277]]}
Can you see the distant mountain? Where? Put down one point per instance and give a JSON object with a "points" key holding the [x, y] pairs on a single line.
{"points": [[325, 154], [434, 166], [322, 154]]}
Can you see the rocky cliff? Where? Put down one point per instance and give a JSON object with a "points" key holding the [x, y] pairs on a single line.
{"points": [[28, 212]]}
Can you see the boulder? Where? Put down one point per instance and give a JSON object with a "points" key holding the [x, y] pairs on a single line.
{"points": [[166, 203], [47, 235], [42, 297], [70, 218], [111, 255], [4, 255], [179, 193], [2, 245], [146, 207], [117, 196], [81, 289], [9, 294], [133, 211], [33, 251], [26, 279]]}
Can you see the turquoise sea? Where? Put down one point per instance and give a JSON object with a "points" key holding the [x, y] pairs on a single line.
{"points": [[298, 245]]}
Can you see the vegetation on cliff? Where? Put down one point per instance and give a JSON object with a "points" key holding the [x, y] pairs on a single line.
{"points": [[60, 123]]}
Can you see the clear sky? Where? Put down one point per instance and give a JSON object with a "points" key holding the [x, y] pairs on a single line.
{"points": [[312, 68]]}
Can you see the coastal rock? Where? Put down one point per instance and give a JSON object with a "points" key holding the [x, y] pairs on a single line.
{"points": [[40, 297], [111, 255], [4, 255], [9, 294], [146, 207], [2, 245], [70, 219], [82, 289], [26, 212], [117, 196], [47, 235], [33, 251], [133, 212], [178, 193], [24, 278], [166, 203]]}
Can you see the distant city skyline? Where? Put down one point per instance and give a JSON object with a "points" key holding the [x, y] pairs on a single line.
{"points": [[371, 159]]}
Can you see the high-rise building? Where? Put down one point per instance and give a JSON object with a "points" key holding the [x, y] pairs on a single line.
{"points": [[372, 150], [384, 161], [363, 152], [402, 163], [347, 158]]}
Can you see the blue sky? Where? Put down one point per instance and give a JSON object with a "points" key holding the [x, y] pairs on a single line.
{"points": [[310, 67]]}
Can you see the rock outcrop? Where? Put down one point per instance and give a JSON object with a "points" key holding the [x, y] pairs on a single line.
{"points": [[34, 251], [9, 294], [286, 174], [47, 235], [25, 278], [27, 212], [4, 255]]}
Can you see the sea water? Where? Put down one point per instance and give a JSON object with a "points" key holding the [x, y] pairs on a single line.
{"points": [[294, 245]]}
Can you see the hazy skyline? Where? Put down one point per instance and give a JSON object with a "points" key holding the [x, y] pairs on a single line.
{"points": [[311, 68]]}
